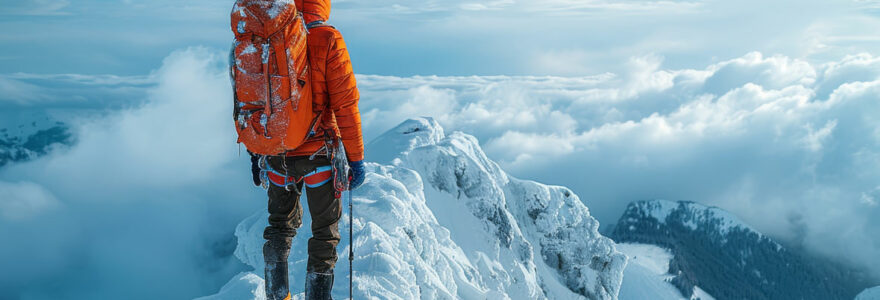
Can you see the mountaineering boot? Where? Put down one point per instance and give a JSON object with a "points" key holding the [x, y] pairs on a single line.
{"points": [[319, 285], [275, 255]]}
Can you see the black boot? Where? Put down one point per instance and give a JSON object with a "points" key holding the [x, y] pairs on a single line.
{"points": [[319, 285], [275, 255]]}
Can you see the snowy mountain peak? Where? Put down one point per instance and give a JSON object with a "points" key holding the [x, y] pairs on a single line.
{"points": [[27, 142], [437, 219], [690, 214], [410, 134], [712, 248]]}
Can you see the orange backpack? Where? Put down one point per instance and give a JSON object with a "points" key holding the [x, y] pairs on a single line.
{"points": [[270, 76]]}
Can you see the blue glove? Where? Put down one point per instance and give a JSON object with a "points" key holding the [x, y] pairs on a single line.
{"points": [[357, 174]]}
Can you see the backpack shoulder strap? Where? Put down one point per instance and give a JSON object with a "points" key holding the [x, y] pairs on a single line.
{"points": [[318, 23]]}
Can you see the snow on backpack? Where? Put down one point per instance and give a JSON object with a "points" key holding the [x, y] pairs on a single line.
{"points": [[270, 76]]}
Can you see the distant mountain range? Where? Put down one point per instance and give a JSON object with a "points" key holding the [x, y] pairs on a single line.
{"points": [[716, 251], [16, 146]]}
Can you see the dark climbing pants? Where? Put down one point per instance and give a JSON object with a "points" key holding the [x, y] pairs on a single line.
{"points": [[285, 214]]}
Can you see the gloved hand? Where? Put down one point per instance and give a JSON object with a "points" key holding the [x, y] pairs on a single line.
{"points": [[255, 169], [357, 174]]}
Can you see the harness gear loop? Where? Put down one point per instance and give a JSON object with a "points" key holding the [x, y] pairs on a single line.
{"points": [[269, 175]]}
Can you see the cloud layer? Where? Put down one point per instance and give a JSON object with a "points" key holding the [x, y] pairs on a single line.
{"points": [[792, 147], [144, 204]]}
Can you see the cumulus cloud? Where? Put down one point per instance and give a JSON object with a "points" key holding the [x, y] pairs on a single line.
{"points": [[858, 67], [23, 200], [69, 91], [147, 198], [762, 136], [872, 198], [772, 72]]}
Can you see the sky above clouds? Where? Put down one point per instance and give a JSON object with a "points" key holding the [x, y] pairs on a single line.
{"points": [[429, 37], [765, 108]]}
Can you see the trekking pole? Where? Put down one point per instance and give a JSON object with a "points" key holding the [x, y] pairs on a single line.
{"points": [[350, 244]]}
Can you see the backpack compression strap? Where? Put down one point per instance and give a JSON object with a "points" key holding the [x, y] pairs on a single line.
{"points": [[318, 23]]}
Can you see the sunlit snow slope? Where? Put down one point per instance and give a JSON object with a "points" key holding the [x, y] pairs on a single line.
{"points": [[646, 275], [436, 219], [870, 294]]}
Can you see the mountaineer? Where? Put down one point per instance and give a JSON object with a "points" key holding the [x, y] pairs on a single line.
{"points": [[296, 111]]}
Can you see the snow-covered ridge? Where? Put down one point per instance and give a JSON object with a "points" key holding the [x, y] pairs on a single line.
{"points": [[870, 294], [437, 219], [712, 248], [30, 142], [647, 277], [691, 214]]}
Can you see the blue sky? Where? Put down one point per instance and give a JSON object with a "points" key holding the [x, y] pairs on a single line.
{"points": [[764, 108], [402, 38]]}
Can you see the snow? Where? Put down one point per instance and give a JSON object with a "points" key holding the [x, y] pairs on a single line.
{"points": [[436, 219], [700, 294], [653, 258], [640, 283], [698, 214], [646, 277], [250, 49], [237, 8], [869, 294], [402, 139], [279, 6], [274, 8], [242, 286], [28, 135]]}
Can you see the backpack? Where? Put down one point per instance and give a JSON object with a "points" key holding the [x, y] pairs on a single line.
{"points": [[270, 77]]}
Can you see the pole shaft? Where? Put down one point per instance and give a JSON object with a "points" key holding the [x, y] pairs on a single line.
{"points": [[350, 245]]}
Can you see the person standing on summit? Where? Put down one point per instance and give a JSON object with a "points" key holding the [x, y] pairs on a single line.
{"points": [[271, 38]]}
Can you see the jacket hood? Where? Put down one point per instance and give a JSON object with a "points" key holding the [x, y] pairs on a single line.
{"points": [[314, 10]]}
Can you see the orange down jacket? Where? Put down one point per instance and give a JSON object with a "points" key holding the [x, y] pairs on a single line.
{"points": [[333, 84]]}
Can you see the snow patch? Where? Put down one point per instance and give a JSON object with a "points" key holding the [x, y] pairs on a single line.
{"points": [[245, 285], [279, 6], [250, 49], [695, 215], [700, 294], [869, 294], [403, 138], [653, 258], [646, 274]]}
